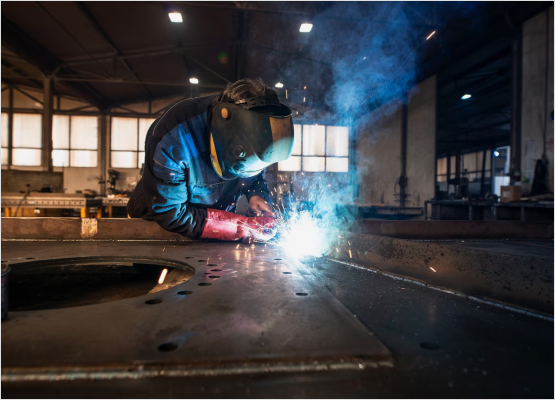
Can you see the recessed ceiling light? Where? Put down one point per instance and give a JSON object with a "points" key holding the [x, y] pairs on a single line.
{"points": [[304, 87], [194, 81], [175, 17], [305, 28], [466, 96], [279, 85], [496, 153]]}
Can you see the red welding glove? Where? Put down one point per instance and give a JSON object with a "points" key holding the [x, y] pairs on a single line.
{"points": [[224, 225]]}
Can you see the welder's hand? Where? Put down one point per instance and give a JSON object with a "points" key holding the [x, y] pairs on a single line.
{"points": [[224, 225], [258, 228], [259, 207]]}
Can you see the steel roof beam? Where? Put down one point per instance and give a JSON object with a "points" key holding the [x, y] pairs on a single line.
{"points": [[25, 47], [108, 40]]}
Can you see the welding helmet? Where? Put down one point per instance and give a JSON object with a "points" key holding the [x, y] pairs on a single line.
{"points": [[247, 136]]}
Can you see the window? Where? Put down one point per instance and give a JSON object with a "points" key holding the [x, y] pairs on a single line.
{"points": [[75, 141], [128, 141], [27, 140], [471, 166], [5, 140], [442, 169], [318, 148]]}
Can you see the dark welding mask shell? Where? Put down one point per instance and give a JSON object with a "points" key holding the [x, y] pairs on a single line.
{"points": [[244, 141]]}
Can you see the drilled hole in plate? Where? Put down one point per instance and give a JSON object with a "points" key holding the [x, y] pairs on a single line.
{"points": [[153, 301], [204, 284], [207, 273], [214, 276], [201, 260], [30, 258], [168, 346], [287, 273], [189, 257], [62, 283], [215, 270], [301, 294], [212, 265], [277, 259], [429, 346], [184, 292]]}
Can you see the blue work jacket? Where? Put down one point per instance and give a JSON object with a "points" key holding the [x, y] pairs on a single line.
{"points": [[179, 183]]}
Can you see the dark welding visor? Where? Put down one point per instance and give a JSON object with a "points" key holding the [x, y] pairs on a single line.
{"points": [[248, 136]]}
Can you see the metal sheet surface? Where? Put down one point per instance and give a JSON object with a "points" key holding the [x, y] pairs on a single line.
{"points": [[249, 319]]}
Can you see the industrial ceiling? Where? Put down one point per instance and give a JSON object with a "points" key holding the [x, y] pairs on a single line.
{"points": [[110, 53]]}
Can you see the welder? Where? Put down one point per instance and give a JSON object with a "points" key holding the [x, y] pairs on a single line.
{"points": [[204, 153]]}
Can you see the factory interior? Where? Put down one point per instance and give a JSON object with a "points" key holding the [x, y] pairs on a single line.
{"points": [[398, 245]]}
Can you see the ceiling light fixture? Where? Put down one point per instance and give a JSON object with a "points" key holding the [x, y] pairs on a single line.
{"points": [[279, 85], [194, 81], [430, 35], [466, 96], [496, 153], [305, 28], [175, 17]]}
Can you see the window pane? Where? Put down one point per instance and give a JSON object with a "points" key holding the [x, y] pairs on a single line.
{"points": [[313, 164], [60, 158], [124, 159], [4, 156], [124, 134], [26, 157], [293, 163], [314, 138], [141, 160], [83, 158], [84, 133], [297, 129], [144, 124], [27, 132], [60, 133], [337, 141], [442, 166], [453, 161], [4, 129], [337, 164]]}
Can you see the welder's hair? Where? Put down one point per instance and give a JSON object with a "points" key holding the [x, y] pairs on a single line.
{"points": [[244, 89]]}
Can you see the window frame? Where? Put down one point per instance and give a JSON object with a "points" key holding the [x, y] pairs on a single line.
{"points": [[69, 149], [137, 151], [325, 156], [11, 147]]}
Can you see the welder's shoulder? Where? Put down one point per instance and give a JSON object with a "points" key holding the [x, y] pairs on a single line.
{"points": [[183, 112], [179, 138]]}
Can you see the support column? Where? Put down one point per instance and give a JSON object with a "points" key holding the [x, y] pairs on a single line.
{"points": [[516, 99], [47, 125], [10, 128], [403, 177], [103, 150]]}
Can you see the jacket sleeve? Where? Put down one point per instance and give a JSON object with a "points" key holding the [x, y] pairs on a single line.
{"points": [[168, 196], [260, 188], [170, 208]]}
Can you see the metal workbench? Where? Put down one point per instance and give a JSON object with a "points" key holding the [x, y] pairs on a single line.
{"points": [[488, 210], [59, 200], [252, 322], [55, 201]]}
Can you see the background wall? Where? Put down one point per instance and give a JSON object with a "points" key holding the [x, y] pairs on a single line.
{"points": [[378, 147], [378, 150], [421, 143], [537, 93]]}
